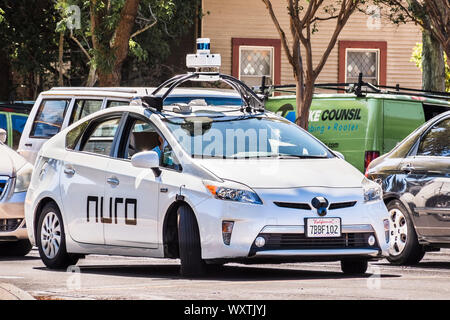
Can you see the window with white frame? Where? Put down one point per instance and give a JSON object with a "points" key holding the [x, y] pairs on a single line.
{"points": [[254, 63], [365, 61]]}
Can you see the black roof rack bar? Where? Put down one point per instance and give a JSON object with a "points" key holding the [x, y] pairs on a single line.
{"points": [[177, 81], [167, 82]]}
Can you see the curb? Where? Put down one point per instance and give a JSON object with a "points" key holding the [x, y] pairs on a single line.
{"points": [[11, 292]]}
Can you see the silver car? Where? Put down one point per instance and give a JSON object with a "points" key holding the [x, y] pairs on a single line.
{"points": [[15, 174]]}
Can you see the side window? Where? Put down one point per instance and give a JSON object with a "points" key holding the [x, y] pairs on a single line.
{"points": [[100, 139], [3, 122], [49, 118], [83, 108], [74, 135], [143, 136], [18, 123], [112, 103], [436, 141]]}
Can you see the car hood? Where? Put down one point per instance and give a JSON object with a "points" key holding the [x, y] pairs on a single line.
{"points": [[286, 173], [10, 161]]}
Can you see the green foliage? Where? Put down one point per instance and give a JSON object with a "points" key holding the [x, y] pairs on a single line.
{"points": [[28, 35], [416, 57]]}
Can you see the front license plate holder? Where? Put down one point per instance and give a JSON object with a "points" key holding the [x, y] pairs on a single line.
{"points": [[323, 227]]}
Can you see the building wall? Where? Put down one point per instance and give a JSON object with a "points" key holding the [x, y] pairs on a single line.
{"points": [[229, 19]]}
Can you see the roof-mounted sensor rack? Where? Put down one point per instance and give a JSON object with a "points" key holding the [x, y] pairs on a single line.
{"points": [[206, 67]]}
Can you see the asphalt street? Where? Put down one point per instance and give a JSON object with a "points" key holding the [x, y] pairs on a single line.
{"points": [[104, 277]]}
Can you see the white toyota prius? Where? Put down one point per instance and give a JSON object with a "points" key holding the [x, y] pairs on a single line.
{"points": [[205, 184]]}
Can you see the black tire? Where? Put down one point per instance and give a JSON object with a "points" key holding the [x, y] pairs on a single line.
{"points": [[18, 248], [413, 252], [62, 259], [192, 264], [354, 266]]}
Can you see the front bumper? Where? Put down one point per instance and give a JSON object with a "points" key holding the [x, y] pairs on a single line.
{"points": [[12, 216], [251, 221]]}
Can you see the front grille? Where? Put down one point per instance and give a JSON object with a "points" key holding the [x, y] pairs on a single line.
{"points": [[293, 205], [8, 225], [341, 205], [306, 206], [298, 241], [3, 185]]}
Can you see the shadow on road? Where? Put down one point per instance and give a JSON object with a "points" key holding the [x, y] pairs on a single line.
{"points": [[26, 258], [225, 273]]}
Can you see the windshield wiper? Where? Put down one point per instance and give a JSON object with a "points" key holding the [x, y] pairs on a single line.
{"points": [[297, 156]]}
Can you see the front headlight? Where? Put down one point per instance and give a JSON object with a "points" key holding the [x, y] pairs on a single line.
{"points": [[23, 178], [232, 191], [372, 190]]}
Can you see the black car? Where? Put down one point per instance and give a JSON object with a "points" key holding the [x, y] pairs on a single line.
{"points": [[415, 177]]}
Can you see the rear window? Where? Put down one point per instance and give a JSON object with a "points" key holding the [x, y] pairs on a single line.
{"points": [[49, 118], [18, 123]]}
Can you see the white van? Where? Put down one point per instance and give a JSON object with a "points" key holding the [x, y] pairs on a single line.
{"points": [[58, 108]]}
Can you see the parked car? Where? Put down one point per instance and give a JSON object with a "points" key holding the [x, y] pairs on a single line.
{"points": [[58, 108], [415, 177], [13, 117], [15, 175], [366, 125], [132, 180]]}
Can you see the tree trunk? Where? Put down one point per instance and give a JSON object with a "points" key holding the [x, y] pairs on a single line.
{"points": [[60, 59], [92, 77], [120, 44], [304, 102], [433, 65]]}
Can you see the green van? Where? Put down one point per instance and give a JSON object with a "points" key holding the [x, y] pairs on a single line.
{"points": [[362, 127], [13, 123]]}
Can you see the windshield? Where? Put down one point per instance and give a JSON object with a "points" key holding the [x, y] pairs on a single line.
{"points": [[226, 137]]}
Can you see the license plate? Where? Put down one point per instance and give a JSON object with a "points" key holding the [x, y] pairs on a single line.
{"points": [[323, 227]]}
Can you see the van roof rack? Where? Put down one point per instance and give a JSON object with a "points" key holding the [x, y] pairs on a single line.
{"points": [[360, 89], [116, 89]]}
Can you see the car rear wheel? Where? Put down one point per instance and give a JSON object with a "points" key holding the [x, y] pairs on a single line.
{"points": [[192, 264], [354, 266], [51, 239], [404, 246], [18, 248]]}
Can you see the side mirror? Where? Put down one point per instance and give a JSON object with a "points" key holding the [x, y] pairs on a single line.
{"points": [[147, 160], [340, 155], [3, 135]]}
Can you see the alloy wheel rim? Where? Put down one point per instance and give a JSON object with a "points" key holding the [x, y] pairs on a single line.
{"points": [[51, 235], [399, 232]]}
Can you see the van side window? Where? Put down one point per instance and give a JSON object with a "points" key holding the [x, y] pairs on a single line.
{"points": [[101, 137], [49, 118], [112, 103], [18, 123], [83, 108], [436, 141]]}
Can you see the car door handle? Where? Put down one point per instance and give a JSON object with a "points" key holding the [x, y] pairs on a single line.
{"points": [[69, 171], [408, 168], [113, 181]]}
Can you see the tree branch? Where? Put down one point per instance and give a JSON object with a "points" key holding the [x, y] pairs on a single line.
{"points": [[281, 32]]}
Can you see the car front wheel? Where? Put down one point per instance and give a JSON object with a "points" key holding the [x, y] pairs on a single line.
{"points": [[15, 249], [404, 246], [354, 266], [51, 240], [192, 264]]}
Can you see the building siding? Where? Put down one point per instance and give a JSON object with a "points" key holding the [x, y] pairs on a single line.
{"points": [[229, 19]]}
